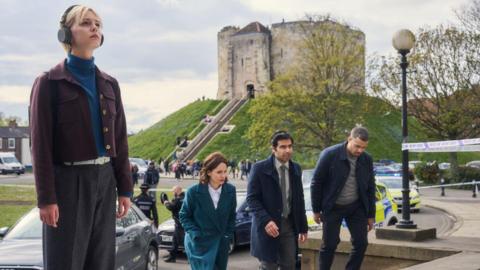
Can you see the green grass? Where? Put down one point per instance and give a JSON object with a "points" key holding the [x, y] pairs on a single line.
{"points": [[160, 139], [233, 145], [15, 201]]}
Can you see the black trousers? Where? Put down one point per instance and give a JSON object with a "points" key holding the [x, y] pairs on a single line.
{"points": [[85, 236], [357, 222], [178, 236]]}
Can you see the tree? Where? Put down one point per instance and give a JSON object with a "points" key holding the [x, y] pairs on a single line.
{"points": [[314, 98], [443, 83], [469, 16]]}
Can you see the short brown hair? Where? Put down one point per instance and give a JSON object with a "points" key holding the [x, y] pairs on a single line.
{"points": [[209, 164]]}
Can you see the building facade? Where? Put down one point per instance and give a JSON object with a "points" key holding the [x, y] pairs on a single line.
{"points": [[16, 139]]}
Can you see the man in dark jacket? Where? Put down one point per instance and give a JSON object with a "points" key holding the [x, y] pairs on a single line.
{"points": [[343, 187], [151, 178], [174, 206], [147, 204], [275, 197]]}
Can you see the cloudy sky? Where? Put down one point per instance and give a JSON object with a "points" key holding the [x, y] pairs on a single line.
{"points": [[164, 52]]}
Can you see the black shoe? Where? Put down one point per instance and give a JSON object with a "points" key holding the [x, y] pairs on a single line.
{"points": [[170, 260]]}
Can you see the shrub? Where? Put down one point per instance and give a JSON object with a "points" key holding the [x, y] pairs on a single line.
{"points": [[429, 174], [465, 174]]}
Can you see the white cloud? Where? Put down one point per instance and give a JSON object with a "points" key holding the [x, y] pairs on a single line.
{"points": [[148, 102], [17, 94], [378, 19]]}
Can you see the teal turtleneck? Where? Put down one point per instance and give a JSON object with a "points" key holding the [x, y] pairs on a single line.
{"points": [[83, 70]]}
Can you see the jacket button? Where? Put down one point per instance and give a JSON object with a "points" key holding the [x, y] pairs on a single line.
{"points": [[104, 112], [107, 146], [105, 129]]}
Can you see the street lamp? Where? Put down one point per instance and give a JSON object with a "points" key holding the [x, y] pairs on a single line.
{"points": [[403, 42]]}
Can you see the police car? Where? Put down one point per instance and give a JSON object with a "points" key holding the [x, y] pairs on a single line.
{"points": [[386, 208]]}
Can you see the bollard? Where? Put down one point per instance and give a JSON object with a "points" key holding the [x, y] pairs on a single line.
{"points": [[442, 181], [474, 195]]}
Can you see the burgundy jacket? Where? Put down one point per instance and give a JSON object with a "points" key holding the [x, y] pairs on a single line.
{"points": [[71, 139]]}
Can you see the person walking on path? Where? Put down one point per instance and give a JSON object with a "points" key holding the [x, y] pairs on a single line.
{"points": [[343, 188], [275, 197], [151, 178], [79, 151], [208, 216]]}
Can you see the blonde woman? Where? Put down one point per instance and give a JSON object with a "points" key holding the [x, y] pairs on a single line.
{"points": [[79, 150], [208, 216]]}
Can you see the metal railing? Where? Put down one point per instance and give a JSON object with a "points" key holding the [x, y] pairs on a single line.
{"points": [[442, 186]]}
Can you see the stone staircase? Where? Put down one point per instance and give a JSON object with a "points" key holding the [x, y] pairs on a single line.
{"points": [[207, 134]]}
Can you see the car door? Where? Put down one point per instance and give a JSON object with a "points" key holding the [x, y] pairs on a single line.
{"points": [[121, 248], [129, 245]]}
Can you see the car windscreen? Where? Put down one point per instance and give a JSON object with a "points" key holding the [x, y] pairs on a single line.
{"points": [[308, 198], [240, 199], [391, 182], [138, 161], [307, 176], [29, 227], [10, 160]]}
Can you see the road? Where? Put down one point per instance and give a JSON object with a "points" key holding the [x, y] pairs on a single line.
{"points": [[241, 259]]}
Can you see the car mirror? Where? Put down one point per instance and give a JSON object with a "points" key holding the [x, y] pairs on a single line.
{"points": [[119, 231], [3, 231]]}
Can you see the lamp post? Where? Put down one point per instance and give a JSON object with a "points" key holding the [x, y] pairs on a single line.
{"points": [[403, 42]]}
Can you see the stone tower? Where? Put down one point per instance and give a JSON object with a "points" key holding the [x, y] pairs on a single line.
{"points": [[250, 57]]}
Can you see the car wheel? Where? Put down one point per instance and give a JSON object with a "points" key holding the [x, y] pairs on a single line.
{"points": [[392, 222], [152, 259], [231, 246]]}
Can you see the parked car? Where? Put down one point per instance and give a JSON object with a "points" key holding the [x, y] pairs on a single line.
{"points": [[386, 162], [243, 224], [412, 164], [141, 164], [136, 243], [444, 166], [386, 208], [394, 186], [474, 164], [387, 170], [10, 164]]}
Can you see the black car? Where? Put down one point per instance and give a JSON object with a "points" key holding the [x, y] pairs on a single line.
{"points": [[243, 224], [136, 243]]}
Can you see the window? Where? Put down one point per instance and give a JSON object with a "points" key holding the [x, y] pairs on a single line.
{"points": [[130, 219], [11, 143], [382, 191]]}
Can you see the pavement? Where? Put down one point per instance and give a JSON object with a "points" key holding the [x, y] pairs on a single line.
{"points": [[465, 234]]}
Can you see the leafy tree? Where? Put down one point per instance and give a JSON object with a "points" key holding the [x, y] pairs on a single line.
{"points": [[442, 84], [469, 16], [313, 99]]}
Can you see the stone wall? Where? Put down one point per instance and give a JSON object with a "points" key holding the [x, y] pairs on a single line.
{"points": [[255, 58]]}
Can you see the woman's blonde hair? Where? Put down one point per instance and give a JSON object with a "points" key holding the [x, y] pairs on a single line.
{"points": [[76, 14], [209, 164]]}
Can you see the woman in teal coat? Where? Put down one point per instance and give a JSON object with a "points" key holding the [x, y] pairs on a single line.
{"points": [[208, 216]]}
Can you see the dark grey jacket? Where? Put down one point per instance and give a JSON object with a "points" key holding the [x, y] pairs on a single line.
{"points": [[331, 173]]}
